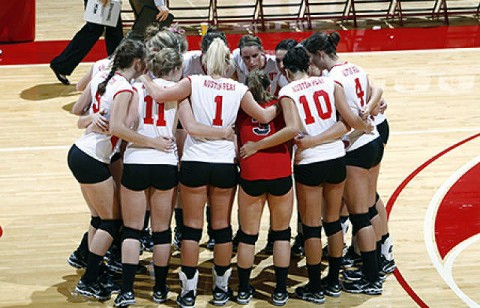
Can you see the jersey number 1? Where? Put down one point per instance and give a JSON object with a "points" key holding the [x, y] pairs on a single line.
{"points": [[217, 121]]}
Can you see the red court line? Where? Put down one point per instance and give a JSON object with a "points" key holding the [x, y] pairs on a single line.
{"points": [[355, 40], [394, 197]]}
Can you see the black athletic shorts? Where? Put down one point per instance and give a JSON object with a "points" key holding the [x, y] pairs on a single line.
{"points": [[366, 156], [139, 177], [86, 169], [329, 171], [276, 187], [195, 174], [384, 131]]}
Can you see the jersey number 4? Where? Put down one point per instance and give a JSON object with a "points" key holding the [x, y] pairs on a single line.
{"points": [[148, 119], [322, 104], [359, 91]]}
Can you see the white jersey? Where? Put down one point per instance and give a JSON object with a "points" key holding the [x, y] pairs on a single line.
{"points": [[314, 98], [354, 81], [271, 69], [101, 65], [379, 118], [215, 102], [154, 119], [97, 145], [192, 64]]}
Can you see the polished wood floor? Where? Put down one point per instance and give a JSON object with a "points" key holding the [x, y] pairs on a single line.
{"points": [[434, 103]]}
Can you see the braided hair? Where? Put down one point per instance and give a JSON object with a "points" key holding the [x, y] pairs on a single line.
{"points": [[160, 63], [124, 56]]}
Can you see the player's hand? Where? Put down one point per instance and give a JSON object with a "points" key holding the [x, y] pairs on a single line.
{"points": [[383, 106], [303, 141], [248, 149], [164, 144], [163, 14], [100, 121], [229, 132]]}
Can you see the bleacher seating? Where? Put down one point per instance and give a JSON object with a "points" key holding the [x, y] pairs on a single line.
{"points": [[326, 10], [366, 9], [275, 11], [227, 11], [416, 8], [459, 7], [260, 13]]}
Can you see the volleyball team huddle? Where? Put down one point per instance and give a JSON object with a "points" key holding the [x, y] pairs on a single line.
{"points": [[168, 129]]}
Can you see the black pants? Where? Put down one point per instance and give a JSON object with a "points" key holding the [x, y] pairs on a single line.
{"points": [[83, 42]]}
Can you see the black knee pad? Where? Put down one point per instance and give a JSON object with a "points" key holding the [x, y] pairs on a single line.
{"points": [[191, 234], [359, 221], [377, 197], [372, 212], [131, 234], [311, 232], [246, 238], [281, 235], [332, 227], [95, 222], [163, 237], [110, 226], [222, 236]]}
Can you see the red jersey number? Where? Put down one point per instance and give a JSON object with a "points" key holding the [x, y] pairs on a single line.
{"points": [[217, 121], [322, 104], [96, 103], [359, 91], [148, 119]]}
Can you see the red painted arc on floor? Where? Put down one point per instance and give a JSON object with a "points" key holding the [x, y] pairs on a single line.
{"points": [[459, 209], [447, 238], [351, 41]]}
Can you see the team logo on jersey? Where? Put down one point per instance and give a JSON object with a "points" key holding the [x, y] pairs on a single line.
{"points": [[260, 129]]}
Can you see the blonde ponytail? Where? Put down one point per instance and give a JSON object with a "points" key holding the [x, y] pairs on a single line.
{"points": [[217, 58]]}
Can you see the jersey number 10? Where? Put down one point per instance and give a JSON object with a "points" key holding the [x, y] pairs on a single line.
{"points": [[322, 104]]}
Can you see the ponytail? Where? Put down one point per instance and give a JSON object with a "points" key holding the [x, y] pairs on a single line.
{"points": [[217, 58], [126, 52]]}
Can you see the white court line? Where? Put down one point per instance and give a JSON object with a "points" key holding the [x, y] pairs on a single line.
{"points": [[429, 232], [39, 148], [437, 131], [452, 256], [412, 132]]}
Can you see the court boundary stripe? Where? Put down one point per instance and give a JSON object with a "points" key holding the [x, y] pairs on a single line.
{"points": [[391, 201]]}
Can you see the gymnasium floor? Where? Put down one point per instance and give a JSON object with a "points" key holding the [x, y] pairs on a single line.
{"points": [[429, 179]]}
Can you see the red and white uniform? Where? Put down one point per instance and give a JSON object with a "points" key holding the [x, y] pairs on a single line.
{"points": [[267, 164], [155, 119], [270, 68], [96, 145], [215, 102], [354, 81], [315, 100], [379, 118], [101, 65], [192, 64]]}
